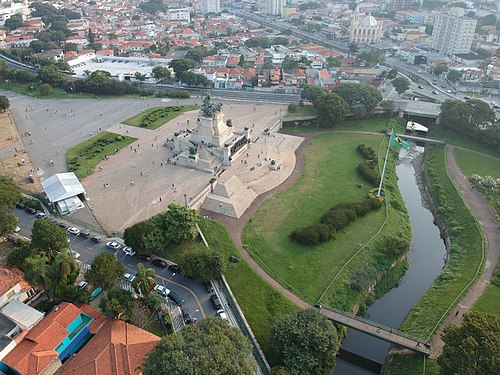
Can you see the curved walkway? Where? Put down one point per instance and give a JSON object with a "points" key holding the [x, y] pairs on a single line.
{"points": [[481, 209]]}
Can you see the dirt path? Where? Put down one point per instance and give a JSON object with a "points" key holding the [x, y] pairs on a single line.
{"points": [[479, 206]]}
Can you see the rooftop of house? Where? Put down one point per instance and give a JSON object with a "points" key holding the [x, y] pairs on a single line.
{"points": [[117, 348], [9, 277]]}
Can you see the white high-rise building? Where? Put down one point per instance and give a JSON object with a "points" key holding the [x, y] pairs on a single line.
{"points": [[453, 34], [210, 6], [275, 7]]}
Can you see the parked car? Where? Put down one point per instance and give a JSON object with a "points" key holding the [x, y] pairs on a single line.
{"points": [[30, 210], [20, 205], [161, 290], [215, 301], [208, 287], [144, 257], [129, 251], [222, 314], [159, 263], [175, 297], [17, 229], [96, 239], [128, 277], [63, 225], [466, 97], [174, 268], [435, 92], [82, 284], [84, 233], [75, 254], [420, 86], [113, 245], [186, 315], [40, 215], [74, 230]]}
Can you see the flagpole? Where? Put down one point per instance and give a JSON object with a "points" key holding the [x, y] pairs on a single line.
{"points": [[385, 164]]}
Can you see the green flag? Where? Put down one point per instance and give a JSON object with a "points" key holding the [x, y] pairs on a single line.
{"points": [[396, 141]]}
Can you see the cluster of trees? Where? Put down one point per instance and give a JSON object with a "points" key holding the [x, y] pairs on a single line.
{"points": [[369, 168], [336, 219], [473, 118], [362, 99], [201, 263], [9, 196], [194, 79], [371, 58], [401, 84], [152, 6]]}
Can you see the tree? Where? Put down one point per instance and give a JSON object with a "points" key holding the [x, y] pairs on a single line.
{"points": [[468, 117], [8, 223], [352, 49], [20, 254], [258, 41], [14, 22], [161, 72], [64, 268], [180, 223], [182, 65], [289, 63], [471, 348], [38, 273], [311, 92], [152, 302], [50, 74], [359, 111], [140, 76], [117, 303], [388, 106], [145, 280], [333, 61], [359, 94], [401, 84], [48, 237], [45, 89], [100, 75], [105, 271], [193, 79], [201, 264], [306, 342], [393, 73], [331, 109], [197, 54], [9, 193], [371, 57], [210, 347], [453, 76], [280, 40], [439, 69], [4, 103], [145, 237]]}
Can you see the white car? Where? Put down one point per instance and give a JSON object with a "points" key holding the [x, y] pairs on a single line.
{"points": [[160, 289], [17, 229], [128, 277], [74, 230], [129, 251], [75, 254], [82, 284], [113, 245], [222, 314]]}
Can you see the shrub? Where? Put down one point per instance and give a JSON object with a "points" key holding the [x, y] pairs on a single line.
{"points": [[370, 174], [336, 218], [367, 152], [313, 234], [292, 108]]}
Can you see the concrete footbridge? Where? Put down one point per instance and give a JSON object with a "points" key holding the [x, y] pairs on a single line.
{"points": [[374, 329]]}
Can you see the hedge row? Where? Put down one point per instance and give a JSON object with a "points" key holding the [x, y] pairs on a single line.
{"points": [[337, 218], [369, 168], [152, 117]]}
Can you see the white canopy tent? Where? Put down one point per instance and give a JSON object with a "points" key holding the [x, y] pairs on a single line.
{"points": [[62, 190]]}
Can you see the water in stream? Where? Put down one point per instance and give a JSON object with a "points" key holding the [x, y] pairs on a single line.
{"points": [[426, 260]]}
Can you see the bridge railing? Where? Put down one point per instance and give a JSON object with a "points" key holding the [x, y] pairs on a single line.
{"points": [[371, 323]]}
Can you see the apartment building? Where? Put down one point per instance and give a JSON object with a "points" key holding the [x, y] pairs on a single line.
{"points": [[453, 34], [210, 6], [275, 7]]}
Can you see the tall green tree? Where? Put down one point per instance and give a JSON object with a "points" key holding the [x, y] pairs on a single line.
{"points": [[359, 94], [145, 236], [8, 223], [145, 280], [38, 273], [4, 103], [50, 74], [48, 237], [311, 92], [9, 193], [105, 271], [180, 223], [331, 109], [306, 342], [258, 41], [209, 347], [117, 303], [64, 268], [401, 84], [371, 58], [161, 72], [388, 106], [453, 76], [333, 61], [352, 49], [20, 254], [182, 65], [473, 347], [200, 263], [440, 68], [469, 118], [393, 73], [14, 22]]}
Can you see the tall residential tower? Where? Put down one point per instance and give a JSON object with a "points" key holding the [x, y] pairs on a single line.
{"points": [[453, 34]]}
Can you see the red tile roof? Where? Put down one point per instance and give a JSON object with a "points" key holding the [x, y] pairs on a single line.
{"points": [[32, 355], [9, 277], [118, 348]]}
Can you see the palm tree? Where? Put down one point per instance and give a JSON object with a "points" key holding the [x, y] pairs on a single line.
{"points": [[64, 268], [38, 273], [145, 280]]}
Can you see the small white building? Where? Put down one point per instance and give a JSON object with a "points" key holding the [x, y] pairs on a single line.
{"points": [[65, 192]]}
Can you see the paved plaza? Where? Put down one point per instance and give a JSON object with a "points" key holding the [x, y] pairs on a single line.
{"points": [[140, 182]]}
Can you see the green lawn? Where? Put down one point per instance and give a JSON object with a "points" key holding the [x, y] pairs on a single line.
{"points": [[153, 118], [307, 110], [330, 177], [409, 364], [84, 157], [460, 140], [473, 163], [466, 250], [372, 125], [489, 301], [32, 89]]}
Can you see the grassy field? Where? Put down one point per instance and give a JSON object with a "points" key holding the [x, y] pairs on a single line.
{"points": [[330, 177], [159, 116], [373, 125], [465, 252], [400, 364], [260, 303], [84, 157], [489, 301], [307, 110], [460, 140], [473, 163]]}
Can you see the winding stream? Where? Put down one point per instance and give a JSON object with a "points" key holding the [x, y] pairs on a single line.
{"points": [[426, 260]]}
